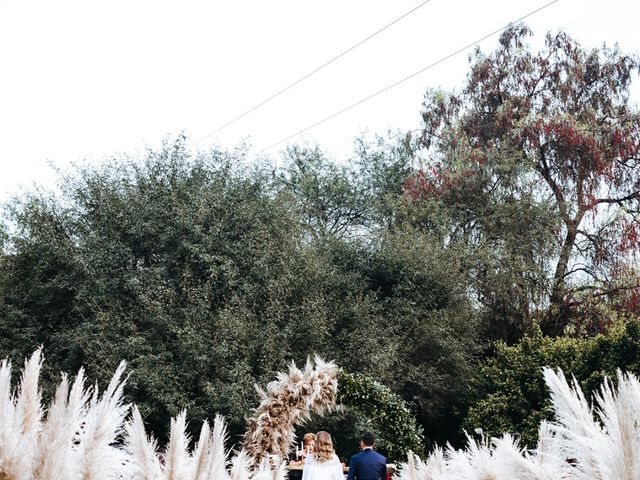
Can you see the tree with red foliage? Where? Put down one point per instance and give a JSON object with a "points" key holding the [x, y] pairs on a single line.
{"points": [[557, 125]]}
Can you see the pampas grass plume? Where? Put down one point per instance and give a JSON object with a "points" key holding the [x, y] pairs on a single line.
{"points": [[176, 458], [287, 402], [144, 463]]}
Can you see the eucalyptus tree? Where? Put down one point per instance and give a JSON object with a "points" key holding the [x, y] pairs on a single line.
{"points": [[550, 139]]}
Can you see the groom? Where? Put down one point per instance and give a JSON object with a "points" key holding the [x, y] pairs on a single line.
{"points": [[368, 464]]}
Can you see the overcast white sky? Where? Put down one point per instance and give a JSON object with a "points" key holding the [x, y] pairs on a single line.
{"points": [[81, 79]]}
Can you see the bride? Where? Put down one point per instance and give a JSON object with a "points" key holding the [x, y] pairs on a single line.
{"points": [[324, 463]]}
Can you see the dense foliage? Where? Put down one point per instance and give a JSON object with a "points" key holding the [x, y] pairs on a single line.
{"points": [[202, 275], [511, 392], [535, 168], [386, 412]]}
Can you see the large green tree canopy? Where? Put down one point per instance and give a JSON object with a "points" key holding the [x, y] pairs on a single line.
{"points": [[209, 277]]}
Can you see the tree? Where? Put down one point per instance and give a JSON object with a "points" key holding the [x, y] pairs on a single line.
{"points": [[435, 331], [382, 166], [554, 127], [189, 268], [328, 197], [348, 199], [425, 341], [386, 411], [198, 272]]}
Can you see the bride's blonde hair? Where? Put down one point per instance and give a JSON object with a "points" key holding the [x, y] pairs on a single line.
{"points": [[324, 447]]}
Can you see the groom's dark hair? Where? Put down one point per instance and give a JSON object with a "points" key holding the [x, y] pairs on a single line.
{"points": [[368, 439]]}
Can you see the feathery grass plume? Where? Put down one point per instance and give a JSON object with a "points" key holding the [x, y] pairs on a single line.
{"points": [[217, 454], [289, 401], [241, 464], [409, 470], [582, 438], [208, 461], [619, 412], [513, 462], [475, 463], [279, 469], [144, 463], [176, 458], [210, 456], [575, 446], [102, 425], [498, 459], [262, 471], [270, 468], [433, 468], [8, 429], [609, 450], [77, 439], [21, 417], [546, 462], [29, 408], [201, 455], [56, 453]]}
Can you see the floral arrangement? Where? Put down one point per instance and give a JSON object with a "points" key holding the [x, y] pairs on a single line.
{"points": [[288, 402]]}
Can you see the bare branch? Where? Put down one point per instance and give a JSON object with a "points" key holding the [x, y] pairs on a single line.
{"points": [[631, 196]]}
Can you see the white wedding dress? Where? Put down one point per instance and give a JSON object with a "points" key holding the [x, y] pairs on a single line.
{"points": [[327, 470]]}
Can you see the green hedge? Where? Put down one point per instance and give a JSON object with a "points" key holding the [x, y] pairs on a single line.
{"points": [[510, 394], [399, 432]]}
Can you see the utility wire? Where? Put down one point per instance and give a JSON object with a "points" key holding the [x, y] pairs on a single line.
{"points": [[365, 99], [316, 70]]}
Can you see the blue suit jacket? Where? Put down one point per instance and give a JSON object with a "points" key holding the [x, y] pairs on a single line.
{"points": [[367, 465]]}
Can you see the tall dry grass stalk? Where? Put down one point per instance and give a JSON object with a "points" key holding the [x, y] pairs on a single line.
{"points": [[73, 441], [20, 420], [288, 402], [144, 463]]}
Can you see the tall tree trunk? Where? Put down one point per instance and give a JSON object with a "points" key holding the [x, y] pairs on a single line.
{"points": [[557, 292], [557, 317]]}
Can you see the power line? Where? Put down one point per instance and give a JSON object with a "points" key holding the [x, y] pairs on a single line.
{"points": [[395, 84], [316, 70]]}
